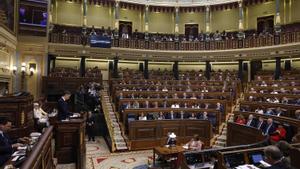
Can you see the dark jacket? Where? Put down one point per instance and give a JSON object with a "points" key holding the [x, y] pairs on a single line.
{"points": [[5, 149], [262, 126], [252, 123], [271, 130], [279, 165], [63, 111]]}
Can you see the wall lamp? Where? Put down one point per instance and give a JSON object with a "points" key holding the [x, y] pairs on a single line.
{"points": [[32, 69]]}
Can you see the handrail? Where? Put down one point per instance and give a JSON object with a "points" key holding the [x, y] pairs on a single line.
{"points": [[108, 123]]}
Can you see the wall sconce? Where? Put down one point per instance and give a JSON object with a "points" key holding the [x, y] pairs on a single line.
{"points": [[23, 68], [14, 69], [32, 68]]}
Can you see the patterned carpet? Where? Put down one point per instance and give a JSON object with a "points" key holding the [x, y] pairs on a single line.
{"points": [[99, 157]]}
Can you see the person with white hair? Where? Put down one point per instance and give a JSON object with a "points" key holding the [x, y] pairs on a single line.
{"points": [[40, 115]]}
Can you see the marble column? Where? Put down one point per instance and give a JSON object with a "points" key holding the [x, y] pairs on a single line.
{"points": [[278, 68], [240, 70], [207, 19], [146, 72], [207, 70]]}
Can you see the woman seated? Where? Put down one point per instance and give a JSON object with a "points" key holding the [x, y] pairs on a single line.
{"points": [[161, 116], [195, 143], [142, 116], [279, 134], [240, 120], [40, 116]]}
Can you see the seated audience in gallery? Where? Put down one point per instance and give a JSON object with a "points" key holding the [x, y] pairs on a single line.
{"points": [[220, 107], [142, 116], [171, 115], [8, 146], [195, 143], [259, 110], [204, 116], [193, 116], [161, 116]]}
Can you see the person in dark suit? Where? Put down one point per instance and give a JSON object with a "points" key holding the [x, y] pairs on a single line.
{"points": [[270, 127], [6, 144], [275, 158], [171, 115], [90, 126], [62, 106], [251, 121], [261, 124]]}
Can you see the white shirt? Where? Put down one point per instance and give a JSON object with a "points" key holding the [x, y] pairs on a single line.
{"points": [[143, 118], [39, 114]]}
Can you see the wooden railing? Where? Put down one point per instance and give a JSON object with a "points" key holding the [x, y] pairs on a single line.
{"points": [[249, 42]]}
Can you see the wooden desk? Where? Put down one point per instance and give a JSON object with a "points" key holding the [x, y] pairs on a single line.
{"points": [[151, 133], [41, 156], [18, 109], [167, 152], [240, 134], [213, 114], [245, 156], [70, 142]]}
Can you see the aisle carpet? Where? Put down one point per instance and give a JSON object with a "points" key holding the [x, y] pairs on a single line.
{"points": [[99, 157]]}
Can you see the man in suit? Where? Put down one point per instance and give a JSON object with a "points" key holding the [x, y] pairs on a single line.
{"points": [[251, 122], [62, 106], [270, 127], [261, 124], [274, 157], [6, 144]]}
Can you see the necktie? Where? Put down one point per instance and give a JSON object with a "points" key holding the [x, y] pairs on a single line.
{"points": [[249, 122], [267, 131], [260, 123]]}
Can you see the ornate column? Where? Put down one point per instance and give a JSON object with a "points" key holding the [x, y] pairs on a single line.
{"points": [[117, 14], [240, 70], [84, 9], [277, 17], [207, 19], [146, 19], [176, 70], [278, 68], [207, 70], [176, 29], [115, 68], [241, 33], [146, 73], [146, 22], [241, 16], [82, 66]]}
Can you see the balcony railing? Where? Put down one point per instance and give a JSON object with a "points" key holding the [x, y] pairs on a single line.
{"points": [[249, 42]]}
